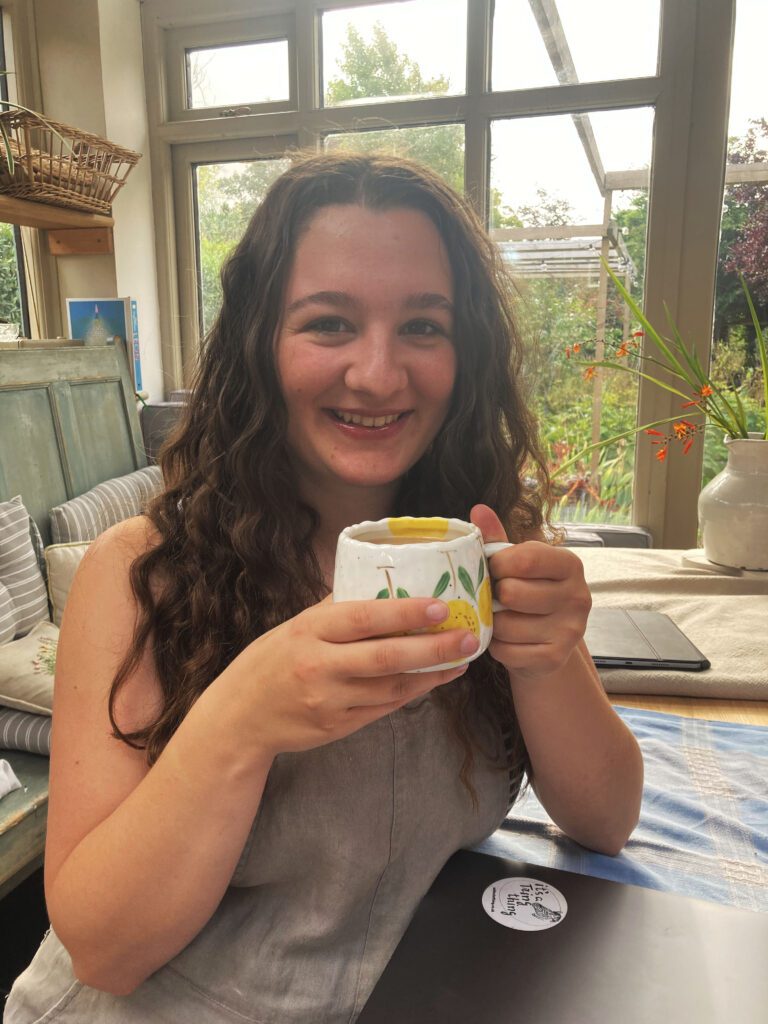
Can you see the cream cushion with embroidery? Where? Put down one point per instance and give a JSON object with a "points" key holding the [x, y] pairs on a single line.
{"points": [[61, 561], [26, 670]]}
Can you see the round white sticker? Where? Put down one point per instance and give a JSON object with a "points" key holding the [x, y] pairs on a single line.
{"points": [[524, 903]]}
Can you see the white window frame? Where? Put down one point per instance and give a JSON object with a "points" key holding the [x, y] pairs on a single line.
{"points": [[690, 95], [231, 33], [184, 160]]}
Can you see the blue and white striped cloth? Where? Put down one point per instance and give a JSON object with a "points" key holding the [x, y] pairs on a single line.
{"points": [[703, 828]]}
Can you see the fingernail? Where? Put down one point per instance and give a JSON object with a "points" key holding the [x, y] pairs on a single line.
{"points": [[469, 644], [437, 611]]}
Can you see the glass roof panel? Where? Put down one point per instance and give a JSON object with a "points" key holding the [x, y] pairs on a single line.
{"points": [[592, 41]]}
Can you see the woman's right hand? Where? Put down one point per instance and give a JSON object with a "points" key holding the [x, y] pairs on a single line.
{"points": [[335, 668]]}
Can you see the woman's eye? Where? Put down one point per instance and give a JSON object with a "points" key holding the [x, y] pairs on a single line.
{"points": [[423, 328], [328, 325]]}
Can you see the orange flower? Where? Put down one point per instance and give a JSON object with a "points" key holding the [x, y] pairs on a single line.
{"points": [[661, 454], [622, 351], [658, 433], [567, 351], [681, 429], [638, 334], [590, 372], [706, 391], [577, 347], [687, 446]]}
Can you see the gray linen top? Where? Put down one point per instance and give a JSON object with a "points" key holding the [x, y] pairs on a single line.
{"points": [[347, 840]]}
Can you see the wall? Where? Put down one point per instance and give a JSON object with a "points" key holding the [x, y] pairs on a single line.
{"points": [[125, 113], [91, 76]]}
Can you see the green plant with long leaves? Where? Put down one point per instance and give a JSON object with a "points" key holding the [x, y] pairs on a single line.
{"points": [[718, 405]]}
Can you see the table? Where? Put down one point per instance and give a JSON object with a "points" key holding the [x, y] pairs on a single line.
{"points": [[724, 614], [23, 816]]}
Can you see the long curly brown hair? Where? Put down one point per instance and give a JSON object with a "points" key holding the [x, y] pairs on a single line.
{"points": [[234, 556]]}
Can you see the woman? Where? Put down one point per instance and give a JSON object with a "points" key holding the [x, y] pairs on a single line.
{"points": [[250, 792]]}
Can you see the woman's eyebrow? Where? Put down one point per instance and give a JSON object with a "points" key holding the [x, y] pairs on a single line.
{"points": [[419, 300], [325, 298], [428, 300]]}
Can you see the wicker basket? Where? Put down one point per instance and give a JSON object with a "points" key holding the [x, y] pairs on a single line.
{"points": [[57, 164]]}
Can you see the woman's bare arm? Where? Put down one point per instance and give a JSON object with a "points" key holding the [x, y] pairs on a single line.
{"points": [[136, 859], [587, 766]]}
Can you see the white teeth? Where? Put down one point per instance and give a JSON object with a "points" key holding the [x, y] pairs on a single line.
{"points": [[367, 421]]}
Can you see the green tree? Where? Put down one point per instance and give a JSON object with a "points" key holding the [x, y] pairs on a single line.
{"points": [[378, 68], [633, 222], [10, 300], [227, 195]]}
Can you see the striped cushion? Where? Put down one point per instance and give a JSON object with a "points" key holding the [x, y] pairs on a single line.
{"points": [[26, 670], [84, 518], [38, 547], [22, 731], [23, 600]]}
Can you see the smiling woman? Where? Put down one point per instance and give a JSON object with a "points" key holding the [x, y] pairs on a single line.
{"points": [[364, 365], [365, 357]]}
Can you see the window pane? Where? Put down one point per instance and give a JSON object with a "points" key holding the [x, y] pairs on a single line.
{"points": [[735, 361], [226, 195], [748, 97], [440, 147], [589, 41], [10, 290], [547, 213], [559, 158], [417, 48], [249, 73]]}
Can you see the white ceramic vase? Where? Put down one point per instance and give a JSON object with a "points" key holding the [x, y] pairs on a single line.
{"points": [[733, 507]]}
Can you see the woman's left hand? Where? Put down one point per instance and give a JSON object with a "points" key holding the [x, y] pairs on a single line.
{"points": [[545, 597]]}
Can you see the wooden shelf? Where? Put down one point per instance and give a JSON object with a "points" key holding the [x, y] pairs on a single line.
{"points": [[43, 215]]}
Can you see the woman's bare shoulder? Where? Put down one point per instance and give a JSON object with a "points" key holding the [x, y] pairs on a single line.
{"points": [[128, 538]]}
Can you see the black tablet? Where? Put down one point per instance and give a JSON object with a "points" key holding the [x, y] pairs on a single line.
{"points": [[636, 638]]}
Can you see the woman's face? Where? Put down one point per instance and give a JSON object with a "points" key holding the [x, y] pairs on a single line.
{"points": [[364, 353]]}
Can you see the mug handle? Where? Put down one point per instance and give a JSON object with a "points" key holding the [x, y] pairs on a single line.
{"points": [[490, 549]]}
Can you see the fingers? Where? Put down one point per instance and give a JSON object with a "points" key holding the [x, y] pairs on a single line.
{"points": [[518, 629], [536, 560], [346, 621], [396, 654], [397, 690], [489, 524]]}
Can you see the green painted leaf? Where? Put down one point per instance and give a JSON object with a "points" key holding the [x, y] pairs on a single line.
{"points": [[402, 593], [466, 581], [442, 583], [480, 571], [382, 593]]}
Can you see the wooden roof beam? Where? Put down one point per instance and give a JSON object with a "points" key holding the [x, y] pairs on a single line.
{"points": [[553, 35]]}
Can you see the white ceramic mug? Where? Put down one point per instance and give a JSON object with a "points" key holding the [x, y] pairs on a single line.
{"points": [[421, 557]]}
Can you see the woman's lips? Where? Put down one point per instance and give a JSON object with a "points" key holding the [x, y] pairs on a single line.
{"points": [[359, 431]]}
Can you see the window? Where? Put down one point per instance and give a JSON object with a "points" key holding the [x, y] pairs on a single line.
{"points": [[554, 219], [537, 43], [226, 195], [578, 128], [440, 147], [744, 226], [237, 74], [13, 292], [389, 50], [231, 68]]}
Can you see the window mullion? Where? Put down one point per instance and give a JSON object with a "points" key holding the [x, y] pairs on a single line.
{"points": [[683, 230]]}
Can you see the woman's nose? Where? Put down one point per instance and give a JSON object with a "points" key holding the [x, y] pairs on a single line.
{"points": [[376, 367]]}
